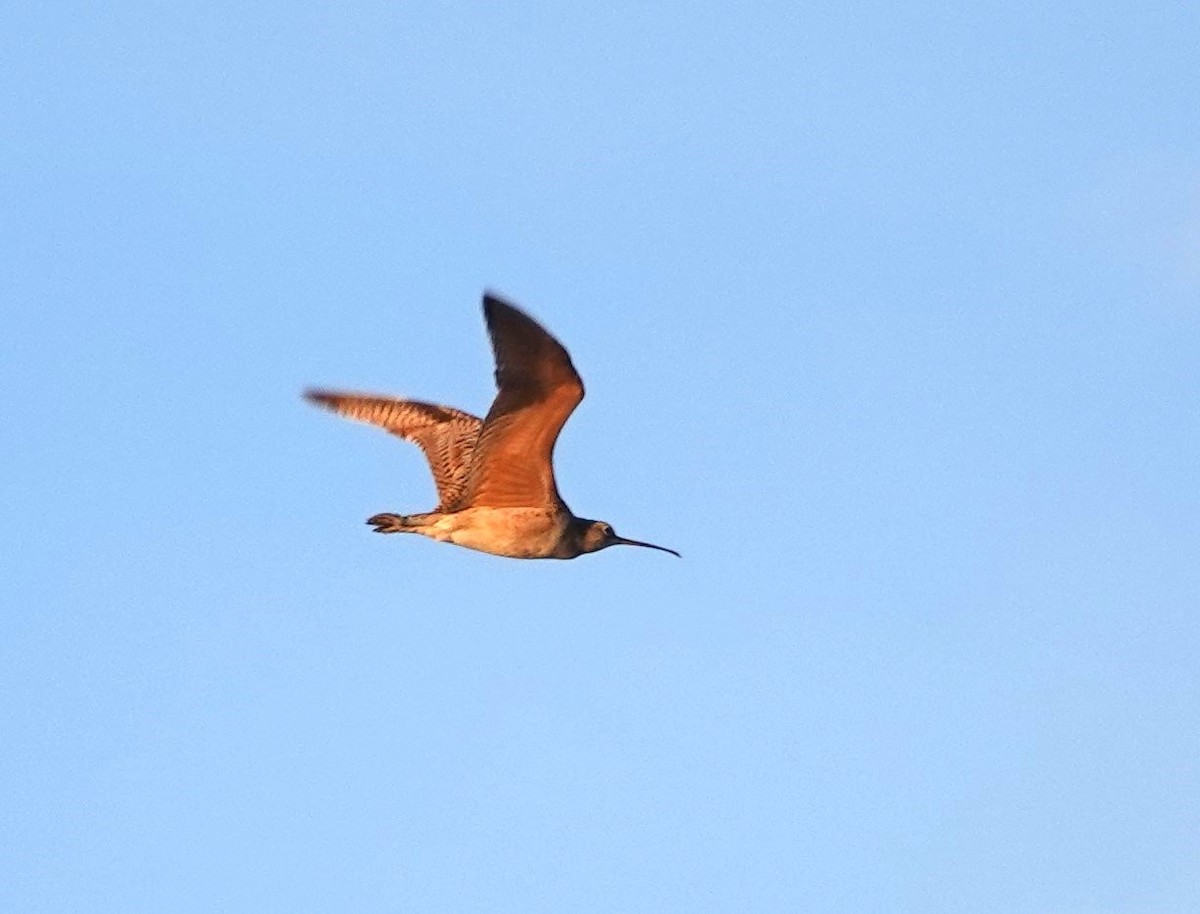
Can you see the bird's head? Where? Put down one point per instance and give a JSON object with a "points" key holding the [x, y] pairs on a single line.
{"points": [[595, 535]]}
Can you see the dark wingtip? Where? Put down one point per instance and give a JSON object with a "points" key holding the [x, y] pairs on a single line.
{"points": [[493, 300], [317, 397]]}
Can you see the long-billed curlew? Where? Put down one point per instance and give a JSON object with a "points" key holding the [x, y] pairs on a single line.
{"points": [[495, 477]]}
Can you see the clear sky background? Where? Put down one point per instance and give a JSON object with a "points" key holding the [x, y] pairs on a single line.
{"points": [[890, 320]]}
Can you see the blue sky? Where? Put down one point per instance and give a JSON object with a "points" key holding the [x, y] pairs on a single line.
{"points": [[889, 316]]}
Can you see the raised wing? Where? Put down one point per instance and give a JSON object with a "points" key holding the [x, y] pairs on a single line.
{"points": [[447, 436], [538, 389]]}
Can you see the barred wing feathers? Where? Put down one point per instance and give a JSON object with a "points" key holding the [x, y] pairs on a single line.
{"points": [[446, 435]]}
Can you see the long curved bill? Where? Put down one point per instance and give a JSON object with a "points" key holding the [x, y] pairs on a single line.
{"points": [[621, 541]]}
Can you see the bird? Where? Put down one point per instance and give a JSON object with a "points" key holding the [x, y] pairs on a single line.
{"points": [[494, 476]]}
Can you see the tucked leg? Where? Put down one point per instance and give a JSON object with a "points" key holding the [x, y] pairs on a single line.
{"points": [[391, 523]]}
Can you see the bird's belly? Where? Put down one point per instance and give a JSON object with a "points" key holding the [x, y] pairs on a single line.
{"points": [[523, 533]]}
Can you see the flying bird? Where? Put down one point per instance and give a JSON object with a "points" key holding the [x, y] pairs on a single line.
{"points": [[495, 476]]}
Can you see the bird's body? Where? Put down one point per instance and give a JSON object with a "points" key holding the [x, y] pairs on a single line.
{"points": [[495, 476], [519, 533]]}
